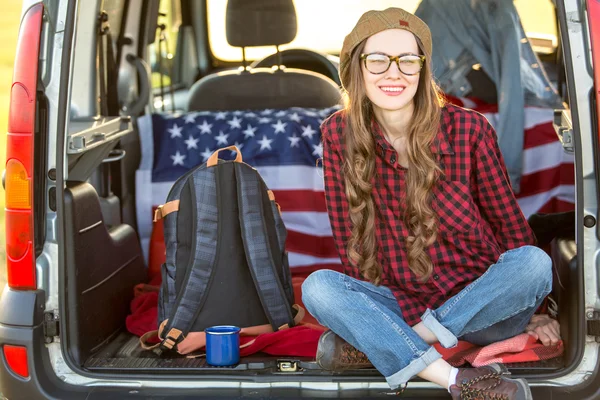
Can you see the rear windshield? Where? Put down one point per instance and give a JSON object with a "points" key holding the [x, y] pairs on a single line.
{"points": [[323, 24]]}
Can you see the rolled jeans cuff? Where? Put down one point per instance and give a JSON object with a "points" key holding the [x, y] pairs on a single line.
{"points": [[412, 369], [444, 336]]}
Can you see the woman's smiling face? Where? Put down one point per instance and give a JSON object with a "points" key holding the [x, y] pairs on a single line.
{"points": [[391, 90]]}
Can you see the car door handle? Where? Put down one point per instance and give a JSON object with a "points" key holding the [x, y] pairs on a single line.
{"points": [[114, 155]]}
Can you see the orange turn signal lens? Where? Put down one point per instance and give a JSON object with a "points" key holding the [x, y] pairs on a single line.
{"points": [[18, 186]]}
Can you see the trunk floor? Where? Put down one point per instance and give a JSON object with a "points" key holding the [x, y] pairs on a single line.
{"points": [[124, 354]]}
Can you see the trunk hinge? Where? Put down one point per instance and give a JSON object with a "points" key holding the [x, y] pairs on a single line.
{"points": [[51, 327], [593, 324]]}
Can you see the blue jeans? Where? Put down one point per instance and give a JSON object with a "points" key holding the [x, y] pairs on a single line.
{"points": [[496, 306]]}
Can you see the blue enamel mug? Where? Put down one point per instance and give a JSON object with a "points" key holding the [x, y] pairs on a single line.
{"points": [[222, 345]]}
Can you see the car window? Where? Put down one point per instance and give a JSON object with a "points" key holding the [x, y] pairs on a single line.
{"points": [[325, 30], [162, 51], [322, 31], [539, 22], [115, 10]]}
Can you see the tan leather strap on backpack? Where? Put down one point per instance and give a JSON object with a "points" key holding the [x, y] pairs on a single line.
{"points": [[172, 338], [164, 209], [144, 338], [297, 319], [214, 158], [272, 198]]}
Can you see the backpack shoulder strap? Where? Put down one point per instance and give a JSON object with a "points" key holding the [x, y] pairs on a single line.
{"points": [[170, 237], [193, 294], [258, 250]]}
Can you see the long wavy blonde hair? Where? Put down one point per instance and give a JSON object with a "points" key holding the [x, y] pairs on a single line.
{"points": [[359, 172]]}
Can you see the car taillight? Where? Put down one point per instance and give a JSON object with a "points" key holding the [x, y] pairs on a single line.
{"points": [[20, 250], [16, 358], [594, 21]]}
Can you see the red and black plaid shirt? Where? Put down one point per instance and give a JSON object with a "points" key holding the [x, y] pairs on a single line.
{"points": [[478, 215]]}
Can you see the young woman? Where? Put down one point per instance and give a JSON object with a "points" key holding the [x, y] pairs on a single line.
{"points": [[432, 241]]}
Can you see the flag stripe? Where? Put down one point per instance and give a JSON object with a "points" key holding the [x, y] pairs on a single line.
{"points": [[556, 205], [300, 200], [309, 223], [540, 134], [533, 115], [546, 179], [545, 156], [305, 269], [531, 204], [292, 177], [298, 259], [317, 246]]}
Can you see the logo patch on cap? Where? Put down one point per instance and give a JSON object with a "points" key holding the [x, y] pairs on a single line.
{"points": [[403, 23]]}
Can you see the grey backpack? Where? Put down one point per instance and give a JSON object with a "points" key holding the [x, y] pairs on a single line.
{"points": [[226, 262]]}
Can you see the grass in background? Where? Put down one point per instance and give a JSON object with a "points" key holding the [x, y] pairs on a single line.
{"points": [[9, 30]]}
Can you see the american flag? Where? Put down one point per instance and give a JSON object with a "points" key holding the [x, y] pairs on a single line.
{"points": [[285, 147], [548, 173]]}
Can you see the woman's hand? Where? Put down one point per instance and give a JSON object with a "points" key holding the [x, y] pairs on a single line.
{"points": [[544, 329]]}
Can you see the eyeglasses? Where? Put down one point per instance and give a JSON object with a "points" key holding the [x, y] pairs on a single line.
{"points": [[408, 64]]}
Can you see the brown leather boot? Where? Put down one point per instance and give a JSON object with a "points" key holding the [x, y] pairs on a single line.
{"points": [[484, 383], [335, 354]]}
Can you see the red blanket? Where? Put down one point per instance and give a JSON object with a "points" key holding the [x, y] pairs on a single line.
{"points": [[521, 348], [302, 340]]}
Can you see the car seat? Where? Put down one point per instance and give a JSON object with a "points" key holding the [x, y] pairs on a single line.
{"points": [[262, 23]]}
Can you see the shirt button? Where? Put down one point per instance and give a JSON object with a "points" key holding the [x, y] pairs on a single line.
{"points": [[393, 159], [436, 277]]}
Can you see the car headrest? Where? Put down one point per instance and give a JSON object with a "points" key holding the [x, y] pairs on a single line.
{"points": [[260, 22]]}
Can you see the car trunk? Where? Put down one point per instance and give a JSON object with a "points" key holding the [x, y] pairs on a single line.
{"points": [[123, 354], [105, 263]]}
